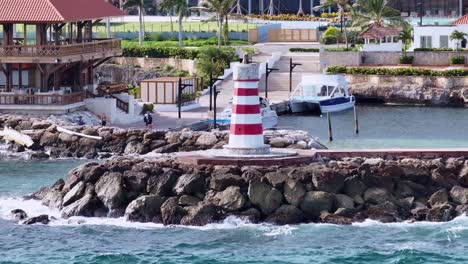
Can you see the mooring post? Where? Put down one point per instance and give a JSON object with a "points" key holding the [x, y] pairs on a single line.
{"points": [[356, 122], [330, 132]]}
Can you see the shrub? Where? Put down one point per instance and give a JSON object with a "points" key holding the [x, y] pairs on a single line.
{"points": [[214, 60], [303, 50], [406, 59], [342, 49], [331, 35], [147, 108], [159, 52], [457, 60], [433, 49], [396, 71]]}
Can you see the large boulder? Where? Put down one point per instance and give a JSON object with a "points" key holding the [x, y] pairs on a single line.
{"points": [[171, 212], [376, 195], [463, 176], [89, 206], [188, 200], [251, 215], [135, 147], [294, 192], [136, 181], [145, 209], [74, 194], [163, 184], [89, 172], [440, 213], [231, 199], [328, 180], [110, 190], [315, 202], [219, 182], [19, 214], [353, 186], [344, 201], [190, 184], [286, 215], [439, 197], [335, 219], [265, 197], [202, 214], [53, 199], [459, 194], [206, 139], [42, 219], [276, 178]]}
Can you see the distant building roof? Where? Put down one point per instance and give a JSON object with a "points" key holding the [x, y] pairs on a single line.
{"points": [[376, 32], [55, 11], [462, 20]]}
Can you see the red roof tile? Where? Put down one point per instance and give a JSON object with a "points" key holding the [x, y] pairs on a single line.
{"points": [[55, 10], [376, 32], [462, 20]]}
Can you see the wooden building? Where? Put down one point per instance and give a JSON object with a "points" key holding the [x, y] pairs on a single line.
{"points": [[48, 51], [165, 90]]}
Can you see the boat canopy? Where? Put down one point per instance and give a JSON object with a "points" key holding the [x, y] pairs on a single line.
{"points": [[322, 79]]}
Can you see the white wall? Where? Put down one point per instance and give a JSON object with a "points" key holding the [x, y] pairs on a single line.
{"points": [[108, 107], [436, 32], [383, 47]]}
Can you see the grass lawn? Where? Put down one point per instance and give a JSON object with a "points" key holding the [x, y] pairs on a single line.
{"points": [[166, 27]]}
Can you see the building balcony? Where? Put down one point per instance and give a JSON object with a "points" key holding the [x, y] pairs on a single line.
{"points": [[97, 49]]}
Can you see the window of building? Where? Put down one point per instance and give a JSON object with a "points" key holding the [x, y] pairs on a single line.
{"points": [[426, 42], [383, 40], [444, 41]]}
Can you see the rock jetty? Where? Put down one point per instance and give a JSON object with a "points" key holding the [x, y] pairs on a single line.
{"points": [[340, 191], [50, 143]]}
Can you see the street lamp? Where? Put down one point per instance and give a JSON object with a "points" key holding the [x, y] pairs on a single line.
{"points": [[212, 82], [291, 69], [267, 74]]}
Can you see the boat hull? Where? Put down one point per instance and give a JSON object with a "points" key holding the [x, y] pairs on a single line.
{"points": [[337, 104]]}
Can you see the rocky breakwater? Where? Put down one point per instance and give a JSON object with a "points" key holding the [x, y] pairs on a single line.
{"points": [[50, 143], [328, 191]]}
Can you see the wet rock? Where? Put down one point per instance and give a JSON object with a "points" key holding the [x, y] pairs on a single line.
{"points": [[403, 190], [335, 219], [136, 181], [344, 201], [74, 194], [328, 180], [206, 139], [251, 215], [353, 186], [315, 202], [346, 212], [202, 214], [168, 148], [48, 139], [154, 135], [439, 197], [145, 209], [135, 147], [19, 214], [171, 212], [231, 199], [377, 214], [219, 182], [461, 209], [463, 176], [376, 195], [440, 213], [53, 199], [286, 215], [294, 192], [190, 184], [39, 156], [459, 194], [88, 206], [89, 172], [110, 190], [41, 219], [188, 200], [265, 197], [280, 142], [163, 184]]}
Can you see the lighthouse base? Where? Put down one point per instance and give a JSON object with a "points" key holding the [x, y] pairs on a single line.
{"points": [[233, 151]]}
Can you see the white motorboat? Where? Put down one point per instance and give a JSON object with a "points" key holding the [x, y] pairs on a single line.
{"points": [[327, 93], [269, 116]]}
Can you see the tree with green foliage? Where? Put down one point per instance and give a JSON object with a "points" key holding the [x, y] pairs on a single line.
{"points": [[182, 9], [458, 36], [214, 60], [406, 36], [367, 13], [343, 7], [140, 5], [331, 35], [222, 9]]}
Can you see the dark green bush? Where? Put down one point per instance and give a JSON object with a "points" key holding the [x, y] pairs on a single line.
{"points": [[457, 60], [303, 50], [396, 71], [159, 52], [341, 49], [406, 59], [433, 49]]}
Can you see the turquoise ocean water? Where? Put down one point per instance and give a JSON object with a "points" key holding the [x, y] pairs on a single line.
{"points": [[91, 240]]}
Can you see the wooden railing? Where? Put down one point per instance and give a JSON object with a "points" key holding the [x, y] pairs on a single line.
{"points": [[59, 50], [41, 99], [121, 104]]}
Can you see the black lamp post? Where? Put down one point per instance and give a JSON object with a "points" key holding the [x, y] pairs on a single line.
{"points": [[291, 69], [420, 5], [267, 74], [182, 86], [215, 110], [212, 82]]}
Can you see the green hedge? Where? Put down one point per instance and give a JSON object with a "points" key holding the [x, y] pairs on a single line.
{"points": [[457, 60], [395, 71], [159, 52], [433, 49], [341, 49], [406, 59], [303, 50]]}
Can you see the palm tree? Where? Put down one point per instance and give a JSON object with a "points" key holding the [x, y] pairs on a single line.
{"points": [[182, 10], [458, 36], [367, 13], [343, 6], [222, 8], [301, 10], [140, 5], [406, 36]]}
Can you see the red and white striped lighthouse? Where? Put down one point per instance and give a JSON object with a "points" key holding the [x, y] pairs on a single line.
{"points": [[246, 134]]}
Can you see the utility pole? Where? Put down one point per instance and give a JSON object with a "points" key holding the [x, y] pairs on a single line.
{"points": [[291, 69], [182, 86]]}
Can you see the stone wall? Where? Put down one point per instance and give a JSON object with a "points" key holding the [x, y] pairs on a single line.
{"points": [[328, 191], [151, 63], [440, 91], [340, 58]]}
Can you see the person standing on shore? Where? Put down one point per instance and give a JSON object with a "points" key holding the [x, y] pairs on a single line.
{"points": [[103, 120], [149, 124]]}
